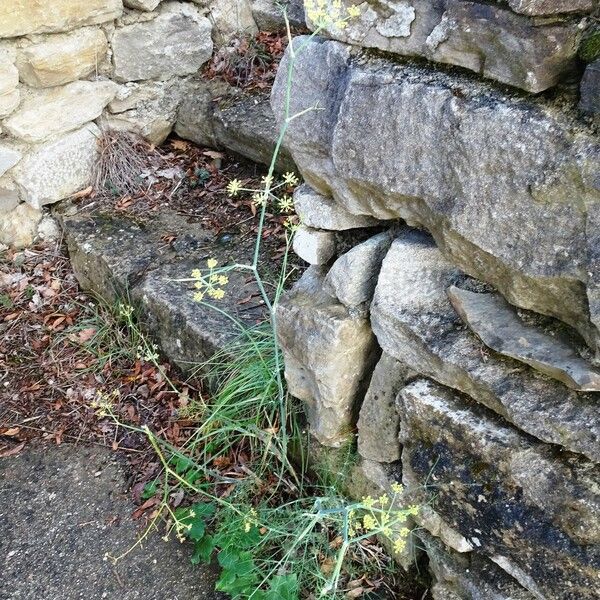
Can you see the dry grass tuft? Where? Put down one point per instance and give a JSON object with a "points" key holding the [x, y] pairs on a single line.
{"points": [[122, 161]]}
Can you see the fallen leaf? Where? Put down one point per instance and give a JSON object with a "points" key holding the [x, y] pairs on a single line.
{"points": [[10, 432], [12, 451]]}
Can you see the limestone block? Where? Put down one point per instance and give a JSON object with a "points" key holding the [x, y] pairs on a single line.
{"points": [[52, 111], [10, 155], [24, 17], [314, 246], [531, 510], [525, 235], [9, 195], [59, 168], [61, 58], [9, 80], [590, 89], [146, 5], [148, 109], [353, 276], [269, 16], [499, 327], [551, 7], [231, 18], [18, 227], [379, 423], [322, 212], [486, 38], [415, 323], [177, 42], [328, 357]]}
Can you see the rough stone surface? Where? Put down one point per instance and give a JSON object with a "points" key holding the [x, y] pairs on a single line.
{"points": [[328, 357], [530, 509], [353, 276], [491, 40], [248, 127], [269, 16], [314, 246], [177, 42], [499, 327], [49, 112], [590, 89], [24, 17], [59, 168], [231, 18], [19, 226], [148, 109], [527, 234], [379, 423], [112, 255], [63, 508], [10, 155], [9, 196], [551, 7], [9, 80], [468, 576], [145, 5], [62, 58], [322, 212], [414, 322]]}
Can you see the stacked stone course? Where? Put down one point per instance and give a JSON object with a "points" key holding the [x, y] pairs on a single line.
{"points": [[482, 162]]}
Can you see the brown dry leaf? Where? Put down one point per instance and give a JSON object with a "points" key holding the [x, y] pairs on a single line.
{"points": [[336, 542], [85, 335], [180, 145], [355, 593], [83, 193], [12, 451], [140, 510], [327, 566], [11, 431]]}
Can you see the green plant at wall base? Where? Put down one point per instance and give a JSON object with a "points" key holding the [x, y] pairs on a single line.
{"points": [[589, 50], [275, 534]]}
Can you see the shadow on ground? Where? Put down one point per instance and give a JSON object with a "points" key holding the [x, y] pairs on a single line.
{"points": [[61, 510]]}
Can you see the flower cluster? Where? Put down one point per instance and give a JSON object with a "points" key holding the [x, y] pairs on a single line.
{"points": [[104, 402], [324, 14], [251, 520], [148, 352], [210, 284]]}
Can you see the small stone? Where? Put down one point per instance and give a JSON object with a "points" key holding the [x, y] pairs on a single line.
{"points": [[268, 14], [551, 7], [9, 102], [9, 196], [59, 168], [18, 227], [24, 17], [9, 157], [328, 357], [48, 229], [379, 423], [353, 276], [590, 89], [498, 326], [62, 58], [177, 42], [145, 5], [314, 246], [322, 212], [231, 18], [9, 80], [48, 112]]}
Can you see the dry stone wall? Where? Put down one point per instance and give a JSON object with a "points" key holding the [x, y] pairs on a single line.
{"points": [[458, 342], [70, 68]]}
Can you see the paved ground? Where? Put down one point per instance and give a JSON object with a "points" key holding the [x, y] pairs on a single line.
{"points": [[61, 509]]}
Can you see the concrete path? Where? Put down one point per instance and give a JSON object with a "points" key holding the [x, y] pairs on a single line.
{"points": [[61, 510]]}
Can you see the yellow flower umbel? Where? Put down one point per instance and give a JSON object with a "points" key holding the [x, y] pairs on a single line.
{"points": [[211, 284], [325, 14]]}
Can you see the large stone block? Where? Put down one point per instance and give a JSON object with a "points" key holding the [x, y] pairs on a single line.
{"points": [[148, 109], [177, 42], [52, 111], [491, 40], [328, 357], [268, 14], [551, 7], [24, 17], [145, 5], [9, 80], [415, 323], [530, 509], [231, 18], [590, 89], [400, 141], [62, 58], [57, 169], [10, 155]]}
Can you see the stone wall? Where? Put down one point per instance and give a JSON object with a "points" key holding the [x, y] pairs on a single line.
{"points": [[459, 343], [70, 69]]}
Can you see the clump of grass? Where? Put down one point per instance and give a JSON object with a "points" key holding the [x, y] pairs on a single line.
{"points": [[121, 161]]}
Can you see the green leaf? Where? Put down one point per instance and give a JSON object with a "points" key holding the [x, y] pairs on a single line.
{"points": [[5, 301], [182, 464], [239, 576], [203, 550], [283, 587], [194, 517], [149, 490]]}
